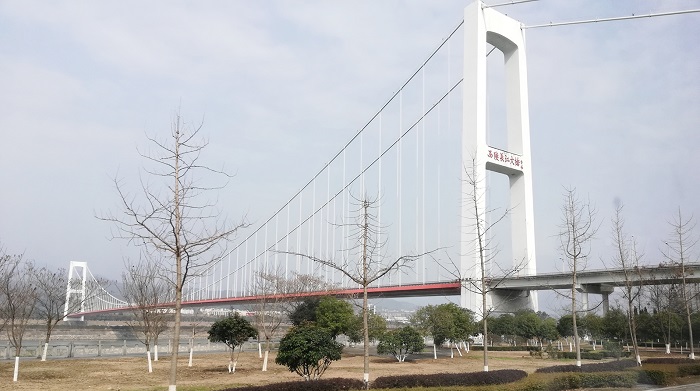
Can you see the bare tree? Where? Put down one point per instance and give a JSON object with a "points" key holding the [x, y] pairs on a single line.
{"points": [[666, 308], [627, 258], [679, 252], [576, 231], [51, 299], [363, 263], [19, 299], [481, 281], [175, 218], [269, 307], [5, 261], [147, 292]]}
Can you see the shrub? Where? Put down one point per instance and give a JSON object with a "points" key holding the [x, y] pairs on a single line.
{"points": [[615, 354], [568, 381], [318, 385], [506, 348], [400, 343], [597, 355], [657, 377], [612, 349], [689, 370], [612, 366], [669, 360], [450, 379], [308, 350]]}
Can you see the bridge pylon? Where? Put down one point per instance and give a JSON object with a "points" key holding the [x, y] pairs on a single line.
{"points": [[482, 26], [80, 279]]}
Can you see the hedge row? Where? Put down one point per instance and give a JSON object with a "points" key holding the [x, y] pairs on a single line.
{"points": [[569, 381], [336, 384], [669, 360], [662, 371], [612, 366], [506, 348], [450, 379]]}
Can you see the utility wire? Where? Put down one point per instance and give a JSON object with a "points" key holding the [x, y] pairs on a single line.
{"points": [[550, 24]]}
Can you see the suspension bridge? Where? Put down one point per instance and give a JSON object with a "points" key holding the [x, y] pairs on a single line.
{"points": [[415, 156]]}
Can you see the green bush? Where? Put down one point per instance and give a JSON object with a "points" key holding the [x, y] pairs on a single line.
{"points": [[668, 360], [657, 377], [597, 355], [318, 385], [450, 379], [612, 366], [506, 348], [569, 381], [615, 354], [689, 370]]}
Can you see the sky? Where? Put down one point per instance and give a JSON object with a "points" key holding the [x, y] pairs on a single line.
{"points": [[614, 107]]}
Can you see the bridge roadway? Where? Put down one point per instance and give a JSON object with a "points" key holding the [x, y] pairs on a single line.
{"points": [[600, 282]]}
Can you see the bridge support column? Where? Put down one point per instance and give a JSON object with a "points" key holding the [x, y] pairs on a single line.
{"points": [[72, 290], [484, 26], [606, 303], [599, 289]]}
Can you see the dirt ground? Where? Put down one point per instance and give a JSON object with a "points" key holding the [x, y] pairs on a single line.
{"points": [[209, 372]]}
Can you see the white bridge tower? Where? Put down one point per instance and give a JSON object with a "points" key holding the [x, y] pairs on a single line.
{"points": [[80, 279], [484, 26]]}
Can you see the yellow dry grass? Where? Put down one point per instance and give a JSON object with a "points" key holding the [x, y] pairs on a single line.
{"points": [[209, 372]]}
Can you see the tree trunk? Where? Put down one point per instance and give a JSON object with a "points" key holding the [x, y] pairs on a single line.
{"points": [[577, 342], [266, 356], [486, 332], [16, 372], [189, 363], [46, 342], [150, 365], [176, 337]]}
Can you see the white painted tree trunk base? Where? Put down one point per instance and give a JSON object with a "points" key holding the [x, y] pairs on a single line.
{"points": [[486, 368], [264, 368], [16, 373], [155, 352], [189, 363], [668, 348], [150, 365], [46, 349], [434, 352]]}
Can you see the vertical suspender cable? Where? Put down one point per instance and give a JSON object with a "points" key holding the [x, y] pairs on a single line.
{"points": [[398, 170], [228, 277], [423, 181], [256, 263], [344, 239], [298, 265], [379, 194], [312, 228], [246, 271], [286, 255], [236, 285], [328, 218], [275, 266]]}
